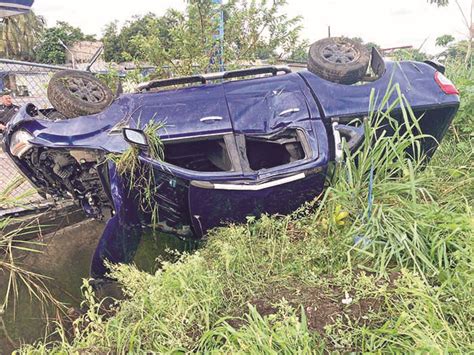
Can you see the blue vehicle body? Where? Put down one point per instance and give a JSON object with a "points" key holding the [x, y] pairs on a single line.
{"points": [[267, 143]]}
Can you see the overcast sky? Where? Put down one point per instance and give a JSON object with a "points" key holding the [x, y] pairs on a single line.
{"points": [[389, 23]]}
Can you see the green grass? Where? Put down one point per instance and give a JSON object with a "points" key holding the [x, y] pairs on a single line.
{"points": [[277, 284], [140, 177], [16, 276]]}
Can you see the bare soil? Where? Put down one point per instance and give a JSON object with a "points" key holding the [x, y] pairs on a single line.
{"points": [[323, 305]]}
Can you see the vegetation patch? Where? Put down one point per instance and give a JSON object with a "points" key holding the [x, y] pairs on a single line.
{"points": [[140, 177]]}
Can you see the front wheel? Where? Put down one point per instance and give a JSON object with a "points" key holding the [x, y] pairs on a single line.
{"points": [[74, 93]]}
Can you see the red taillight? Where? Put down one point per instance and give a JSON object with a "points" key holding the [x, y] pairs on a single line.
{"points": [[445, 84]]}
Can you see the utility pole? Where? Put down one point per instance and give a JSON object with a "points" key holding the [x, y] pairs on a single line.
{"points": [[70, 52], [219, 36]]}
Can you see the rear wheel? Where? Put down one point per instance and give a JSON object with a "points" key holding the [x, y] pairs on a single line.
{"points": [[340, 60], [75, 93]]}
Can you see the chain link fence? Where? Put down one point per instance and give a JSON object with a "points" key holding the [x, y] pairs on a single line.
{"points": [[26, 83]]}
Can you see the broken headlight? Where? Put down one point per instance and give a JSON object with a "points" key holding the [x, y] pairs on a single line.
{"points": [[19, 143]]}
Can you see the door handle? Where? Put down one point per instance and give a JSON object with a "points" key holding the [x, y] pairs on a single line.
{"points": [[210, 119], [289, 111]]}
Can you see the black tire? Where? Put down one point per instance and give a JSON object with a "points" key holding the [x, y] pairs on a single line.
{"points": [[340, 60], [75, 93]]}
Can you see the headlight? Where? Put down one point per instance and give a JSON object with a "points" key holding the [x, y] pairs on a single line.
{"points": [[19, 143]]}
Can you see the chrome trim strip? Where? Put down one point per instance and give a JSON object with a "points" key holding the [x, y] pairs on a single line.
{"points": [[194, 137], [241, 187], [337, 143]]}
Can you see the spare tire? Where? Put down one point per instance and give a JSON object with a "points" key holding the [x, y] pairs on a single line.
{"points": [[74, 93], [340, 60]]}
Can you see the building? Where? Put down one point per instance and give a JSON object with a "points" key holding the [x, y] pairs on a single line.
{"points": [[82, 52]]}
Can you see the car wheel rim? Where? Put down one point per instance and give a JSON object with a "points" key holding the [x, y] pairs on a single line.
{"points": [[339, 53], [86, 90]]}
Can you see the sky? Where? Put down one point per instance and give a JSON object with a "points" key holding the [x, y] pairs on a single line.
{"points": [[389, 23]]}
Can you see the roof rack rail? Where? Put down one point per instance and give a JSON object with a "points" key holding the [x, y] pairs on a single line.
{"points": [[204, 78]]}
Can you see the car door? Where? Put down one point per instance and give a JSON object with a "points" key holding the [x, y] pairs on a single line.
{"points": [[282, 153], [267, 185], [195, 111]]}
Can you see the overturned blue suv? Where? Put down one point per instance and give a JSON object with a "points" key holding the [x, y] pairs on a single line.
{"points": [[235, 144]]}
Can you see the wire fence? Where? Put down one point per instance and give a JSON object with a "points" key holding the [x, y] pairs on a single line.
{"points": [[26, 83]]}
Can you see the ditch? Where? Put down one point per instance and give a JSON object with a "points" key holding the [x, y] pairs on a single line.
{"points": [[64, 258]]}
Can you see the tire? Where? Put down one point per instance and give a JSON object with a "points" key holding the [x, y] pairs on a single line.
{"points": [[74, 93], [340, 60]]}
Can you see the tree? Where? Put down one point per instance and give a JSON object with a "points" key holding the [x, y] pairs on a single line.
{"points": [[468, 22], [368, 45], [112, 45], [410, 54], [119, 45], [186, 41], [19, 36], [439, 2], [50, 49], [444, 40]]}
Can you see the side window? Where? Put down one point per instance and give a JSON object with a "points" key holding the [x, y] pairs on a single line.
{"points": [[266, 152], [202, 154]]}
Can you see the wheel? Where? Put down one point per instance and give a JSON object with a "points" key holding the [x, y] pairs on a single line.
{"points": [[340, 60], [75, 93]]}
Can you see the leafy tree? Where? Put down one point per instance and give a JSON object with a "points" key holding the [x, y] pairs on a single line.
{"points": [[112, 45], [300, 52], [19, 35], [457, 50], [50, 49], [467, 18], [410, 54], [368, 45], [439, 2], [186, 41], [444, 40], [119, 45]]}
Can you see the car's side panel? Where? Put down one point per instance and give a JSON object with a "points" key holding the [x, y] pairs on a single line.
{"points": [[269, 104], [416, 82], [211, 208]]}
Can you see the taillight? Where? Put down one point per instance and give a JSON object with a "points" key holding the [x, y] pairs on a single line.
{"points": [[445, 84]]}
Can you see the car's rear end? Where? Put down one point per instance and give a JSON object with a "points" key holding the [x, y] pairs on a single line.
{"points": [[418, 87]]}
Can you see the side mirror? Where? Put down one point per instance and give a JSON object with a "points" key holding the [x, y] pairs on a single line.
{"points": [[135, 137]]}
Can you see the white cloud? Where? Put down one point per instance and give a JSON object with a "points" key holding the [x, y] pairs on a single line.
{"points": [[387, 22]]}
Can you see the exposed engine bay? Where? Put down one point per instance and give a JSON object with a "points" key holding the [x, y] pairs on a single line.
{"points": [[70, 174]]}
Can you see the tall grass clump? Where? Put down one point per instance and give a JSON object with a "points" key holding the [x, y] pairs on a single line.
{"points": [[16, 277], [395, 217], [140, 177]]}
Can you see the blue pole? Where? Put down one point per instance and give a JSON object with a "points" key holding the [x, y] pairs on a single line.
{"points": [[219, 36]]}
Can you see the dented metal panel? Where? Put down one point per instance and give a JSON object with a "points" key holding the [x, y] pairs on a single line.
{"points": [[266, 105]]}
